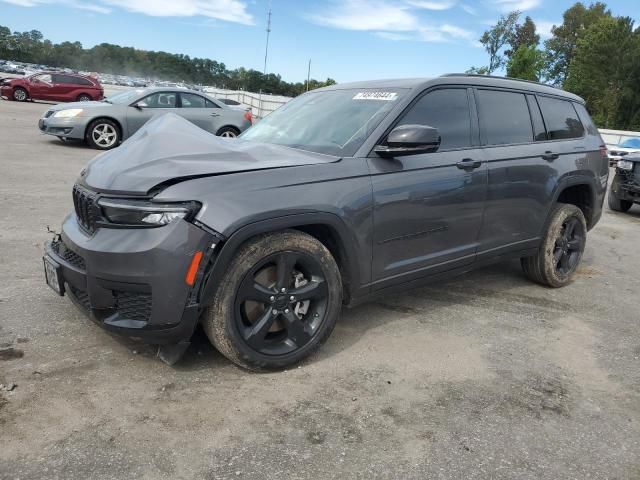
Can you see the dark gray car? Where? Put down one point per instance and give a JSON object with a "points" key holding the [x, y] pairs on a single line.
{"points": [[344, 193], [106, 123]]}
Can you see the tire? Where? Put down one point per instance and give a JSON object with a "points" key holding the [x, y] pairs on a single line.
{"points": [[83, 97], [20, 94], [103, 134], [560, 252], [229, 132], [290, 331], [617, 204]]}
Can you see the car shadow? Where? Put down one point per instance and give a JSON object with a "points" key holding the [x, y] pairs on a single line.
{"points": [[356, 322]]}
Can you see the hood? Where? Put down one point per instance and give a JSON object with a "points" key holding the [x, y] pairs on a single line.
{"points": [[83, 105], [169, 148]]}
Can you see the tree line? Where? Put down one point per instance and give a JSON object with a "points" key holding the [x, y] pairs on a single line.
{"points": [[592, 53], [32, 47]]}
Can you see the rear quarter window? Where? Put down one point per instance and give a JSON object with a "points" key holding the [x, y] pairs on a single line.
{"points": [[560, 118]]}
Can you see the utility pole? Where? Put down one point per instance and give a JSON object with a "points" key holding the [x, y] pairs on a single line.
{"points": [[308, 74], [266, 48]]}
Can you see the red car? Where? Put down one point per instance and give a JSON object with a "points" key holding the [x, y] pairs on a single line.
{"points": [[57, 87]]}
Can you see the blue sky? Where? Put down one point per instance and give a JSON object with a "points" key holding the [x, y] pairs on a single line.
{"points": [[346, 39]]}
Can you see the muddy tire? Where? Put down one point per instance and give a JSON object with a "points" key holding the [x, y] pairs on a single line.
{"points": [[617, 204], [277, 303], [561, 249]]}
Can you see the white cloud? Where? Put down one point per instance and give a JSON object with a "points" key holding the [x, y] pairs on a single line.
{"points": [[395, 36], [511, 5], [367, 15], [544, 28], [228, 10], [469, 9], [432, 5]]}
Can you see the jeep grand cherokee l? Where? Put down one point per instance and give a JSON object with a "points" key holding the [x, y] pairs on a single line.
{"points": [[344, 193]]}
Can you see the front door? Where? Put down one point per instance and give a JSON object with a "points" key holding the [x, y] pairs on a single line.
{"points": [[150, 106], [428, 208], [41, 86]]}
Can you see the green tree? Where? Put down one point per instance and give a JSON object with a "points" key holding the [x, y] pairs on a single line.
{"points": [[562, 45], [527, 63], [605, 71], [523, 35], [496, 38]]}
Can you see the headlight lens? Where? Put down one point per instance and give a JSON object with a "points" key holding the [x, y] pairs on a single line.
{"points": [[144, 213], [625, 165], [69, 113]]}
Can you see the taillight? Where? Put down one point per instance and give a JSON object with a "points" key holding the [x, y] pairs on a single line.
{"points": [[248, 117]]}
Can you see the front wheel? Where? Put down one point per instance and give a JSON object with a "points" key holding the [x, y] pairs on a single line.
{"points": [[20, 95], [277, 303], [617, 204], [103, 134], [561, 249]]}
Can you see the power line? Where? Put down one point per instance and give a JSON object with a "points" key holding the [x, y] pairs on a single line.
{"points": [[266, 48]]}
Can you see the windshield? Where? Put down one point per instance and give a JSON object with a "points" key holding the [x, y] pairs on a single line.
{"points": [[334, 122], [124, 97], [630, 143]]}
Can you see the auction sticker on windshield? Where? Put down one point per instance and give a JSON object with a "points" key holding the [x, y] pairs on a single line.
{"points": [[376, 96]]}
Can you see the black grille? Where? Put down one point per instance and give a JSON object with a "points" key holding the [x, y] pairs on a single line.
{"points": [[133, 305], [85, 204], [68, 255], [48, 114], [81, 296]]}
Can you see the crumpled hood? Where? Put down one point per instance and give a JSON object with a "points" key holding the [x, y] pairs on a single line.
{"points": [[170, 148]]}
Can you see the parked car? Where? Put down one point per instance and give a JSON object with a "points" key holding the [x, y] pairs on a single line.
{"points": [[625, 187], [616, 153], [57, 87], [105, 124], [342, 194]]}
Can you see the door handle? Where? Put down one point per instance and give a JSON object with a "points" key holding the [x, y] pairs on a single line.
{"points": [[468, 164], [550, 156], [214, 114]]}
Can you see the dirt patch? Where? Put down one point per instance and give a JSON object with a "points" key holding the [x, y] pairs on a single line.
{"points": [[10, 353]]}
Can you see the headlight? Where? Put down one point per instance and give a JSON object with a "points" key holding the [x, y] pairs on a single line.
{"points": [[144, 213], [625, 165], [71, 112]]}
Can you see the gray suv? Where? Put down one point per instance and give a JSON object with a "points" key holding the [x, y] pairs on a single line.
{"points": [[344, 193]]}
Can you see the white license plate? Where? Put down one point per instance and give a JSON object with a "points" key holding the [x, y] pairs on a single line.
{"points": [[52, 275]]}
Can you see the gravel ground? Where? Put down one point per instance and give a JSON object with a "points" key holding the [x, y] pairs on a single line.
{"points": [[484, 376]]}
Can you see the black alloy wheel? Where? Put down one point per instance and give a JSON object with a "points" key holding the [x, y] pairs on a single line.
{"points": [[281, 303], [568, 247]]}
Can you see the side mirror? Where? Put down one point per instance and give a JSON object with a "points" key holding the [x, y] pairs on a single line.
{"points": [[410, 140], [141, 105]]}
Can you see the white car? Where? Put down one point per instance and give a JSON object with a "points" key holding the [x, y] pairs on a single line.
{"points": [[616, 152]]}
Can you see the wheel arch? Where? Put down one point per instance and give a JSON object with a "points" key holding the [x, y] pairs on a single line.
{"points": [[578, 190], [327, 228]]}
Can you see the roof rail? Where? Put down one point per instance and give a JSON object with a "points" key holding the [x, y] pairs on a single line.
{"points": [[479, 75]]}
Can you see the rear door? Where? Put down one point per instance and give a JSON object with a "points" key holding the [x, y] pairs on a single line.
{"points": [[201, 111], [428, 207], [63, 87], [524, 166], [157, 103]]}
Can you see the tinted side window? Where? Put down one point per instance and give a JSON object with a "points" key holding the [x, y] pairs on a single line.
{"points": [[160, 100], [448, 111], [210, 104], [560, 118], [504, 117], [81, 81]]}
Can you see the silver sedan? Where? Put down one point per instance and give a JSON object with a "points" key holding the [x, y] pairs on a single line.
{"points": [[106, 123]]}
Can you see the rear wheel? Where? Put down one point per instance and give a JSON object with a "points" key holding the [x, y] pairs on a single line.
{"points": [[561, 250], [20, 95], [615, 203], [229, 132], [103, 134], [277, 303], [83, 97]]}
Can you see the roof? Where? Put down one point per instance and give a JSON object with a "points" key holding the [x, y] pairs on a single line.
{"points": [[459, 79]]}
